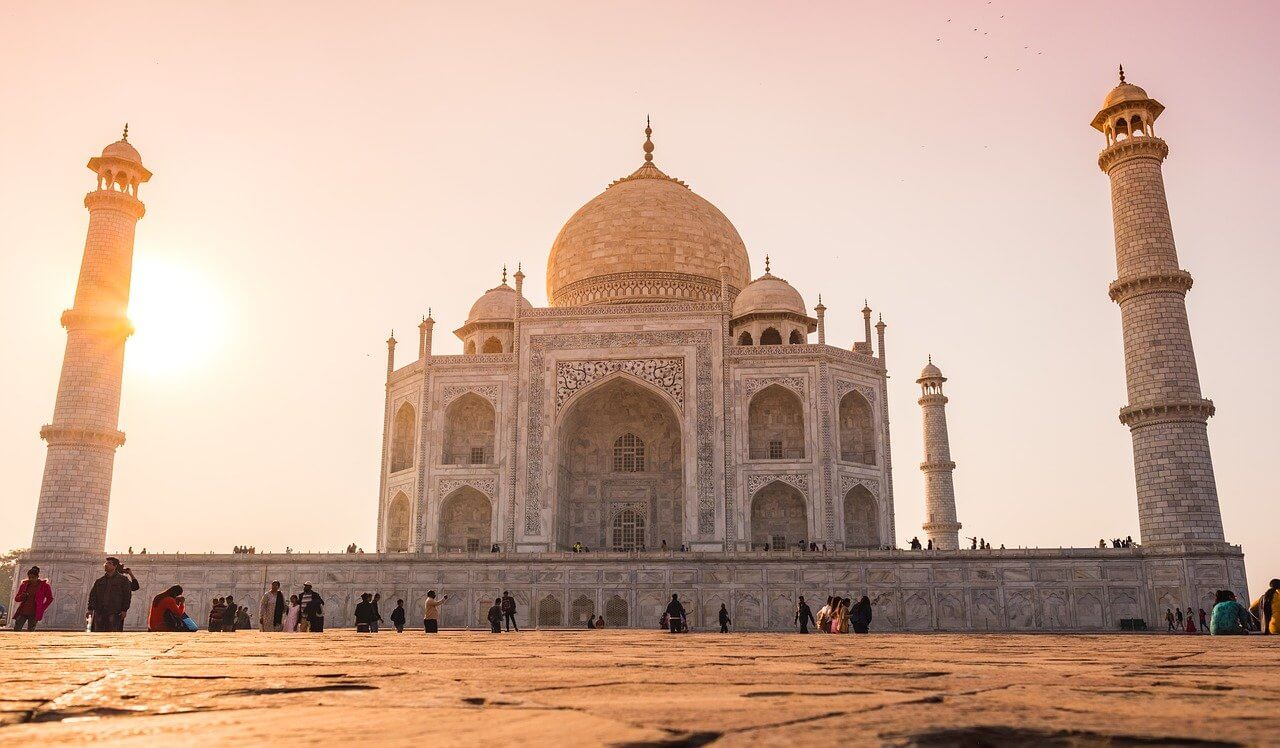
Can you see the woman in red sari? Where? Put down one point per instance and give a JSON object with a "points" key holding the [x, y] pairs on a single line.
{"points": [[166, 611]]}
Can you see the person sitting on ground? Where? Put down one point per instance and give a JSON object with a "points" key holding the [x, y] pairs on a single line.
{"points": [[495, 616], [1264, 609], [33, 598], [166, 612], [591, 621], [397, 617], [724, 619], [860, 616], [1229, 616], [599, 622], [364, 614]]}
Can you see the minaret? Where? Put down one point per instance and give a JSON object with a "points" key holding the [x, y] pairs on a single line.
{"points": [[939, 491], [76, 491], [822, 326], [1166, 415]]}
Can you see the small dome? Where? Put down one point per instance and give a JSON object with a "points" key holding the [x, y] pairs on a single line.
{"points": [[769, 293], [122, 149], [930, 372], [498, 304], [1124, 92]]}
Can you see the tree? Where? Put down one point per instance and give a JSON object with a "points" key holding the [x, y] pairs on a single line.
{"points": [[7, 561]]}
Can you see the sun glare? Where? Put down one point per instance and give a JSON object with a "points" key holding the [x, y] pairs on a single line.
{"points": [[178, 316]]}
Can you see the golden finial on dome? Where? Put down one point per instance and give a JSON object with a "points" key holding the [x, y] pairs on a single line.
{"points": [[125, 136], [1122, 73], [504, 274], [766, 264], [648, 141]]}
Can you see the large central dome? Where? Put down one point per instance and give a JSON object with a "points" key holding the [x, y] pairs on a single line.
{"points": [[646, 238]]}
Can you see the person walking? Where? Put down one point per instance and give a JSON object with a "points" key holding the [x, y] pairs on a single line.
{"points": [[110, 596], [724, 619], [364, 614], [1264, 609], [509, 611], [431, 612], [397, 617], [312, 609], [271, 609], [1168, 617], [1191, 621], [231, 618], [840, 621], [804, 615], [823, 620], [293, 614], [1228, 615], [860, 617], [167, 611], [1204, 622], [1177, 612], [377, 614], [675, 615], [33, 598], [495, 616]]}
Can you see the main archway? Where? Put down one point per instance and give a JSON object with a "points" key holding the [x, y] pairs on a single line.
{"points": [[620, 483]]}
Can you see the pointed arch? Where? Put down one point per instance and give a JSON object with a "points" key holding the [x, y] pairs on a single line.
{"points": [[779, 517], [466, 521], [745, 338], [796, 338], [550, 612], [492, 345], [861, 519], [403, 438], [615, 612], [398, 521], [469, 348], [470, 424], [857, 429], [775, 425], [771, 336], [580, 610]]}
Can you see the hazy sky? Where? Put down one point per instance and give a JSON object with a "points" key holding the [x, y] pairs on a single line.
{"points": [[326, 171]]}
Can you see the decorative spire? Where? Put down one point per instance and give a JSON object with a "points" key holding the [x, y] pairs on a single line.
{"points": [[648, 142], [504, 273], [930, 358], [766, 264], [428, 312], [1122, 74], [125, 136]]}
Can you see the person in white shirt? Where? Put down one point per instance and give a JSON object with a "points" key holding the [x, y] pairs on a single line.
{"points": [[431, 612], [272, 609]]}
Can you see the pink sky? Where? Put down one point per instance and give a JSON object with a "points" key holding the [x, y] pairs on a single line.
{"points": [[329, 173]]}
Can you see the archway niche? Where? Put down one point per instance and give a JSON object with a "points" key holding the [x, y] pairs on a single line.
{"points": [[861, 519], [615, 612], [770, 336], [398, 523], [581, 609], [402, 438], [796, 338], [492, 345], [620, 482], [468, 431], [775, 425], [857, 429], [469, 348], [745, 338], [779, 518], [466, 521], [550, 612]]}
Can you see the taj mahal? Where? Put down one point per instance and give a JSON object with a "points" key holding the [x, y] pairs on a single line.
{"points": [[675, 422]]}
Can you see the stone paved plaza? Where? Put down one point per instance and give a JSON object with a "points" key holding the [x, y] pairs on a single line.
{"points": [[638, 687]]}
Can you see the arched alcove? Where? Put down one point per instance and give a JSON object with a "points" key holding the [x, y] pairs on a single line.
{"points": [[402, 438], [619, 448], [796, 338], [550, 612], [857, 429], [492, 345], [615, 612], [861, 519], [745, 338], [778, 517], [466, 521], [398, 522], [770, 336], [580, 610], [469, 425], [775, 425]]}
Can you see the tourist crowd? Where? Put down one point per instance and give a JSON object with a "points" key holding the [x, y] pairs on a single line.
{"points": [[112, 593]]}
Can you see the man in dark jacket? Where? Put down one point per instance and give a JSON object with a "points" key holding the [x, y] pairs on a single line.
{"points": [[724, 619], [804, 616], [110, 597], [365, 613], [312, 608], [495, 616], [675, 615], [509, 611], [397, 616]]}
